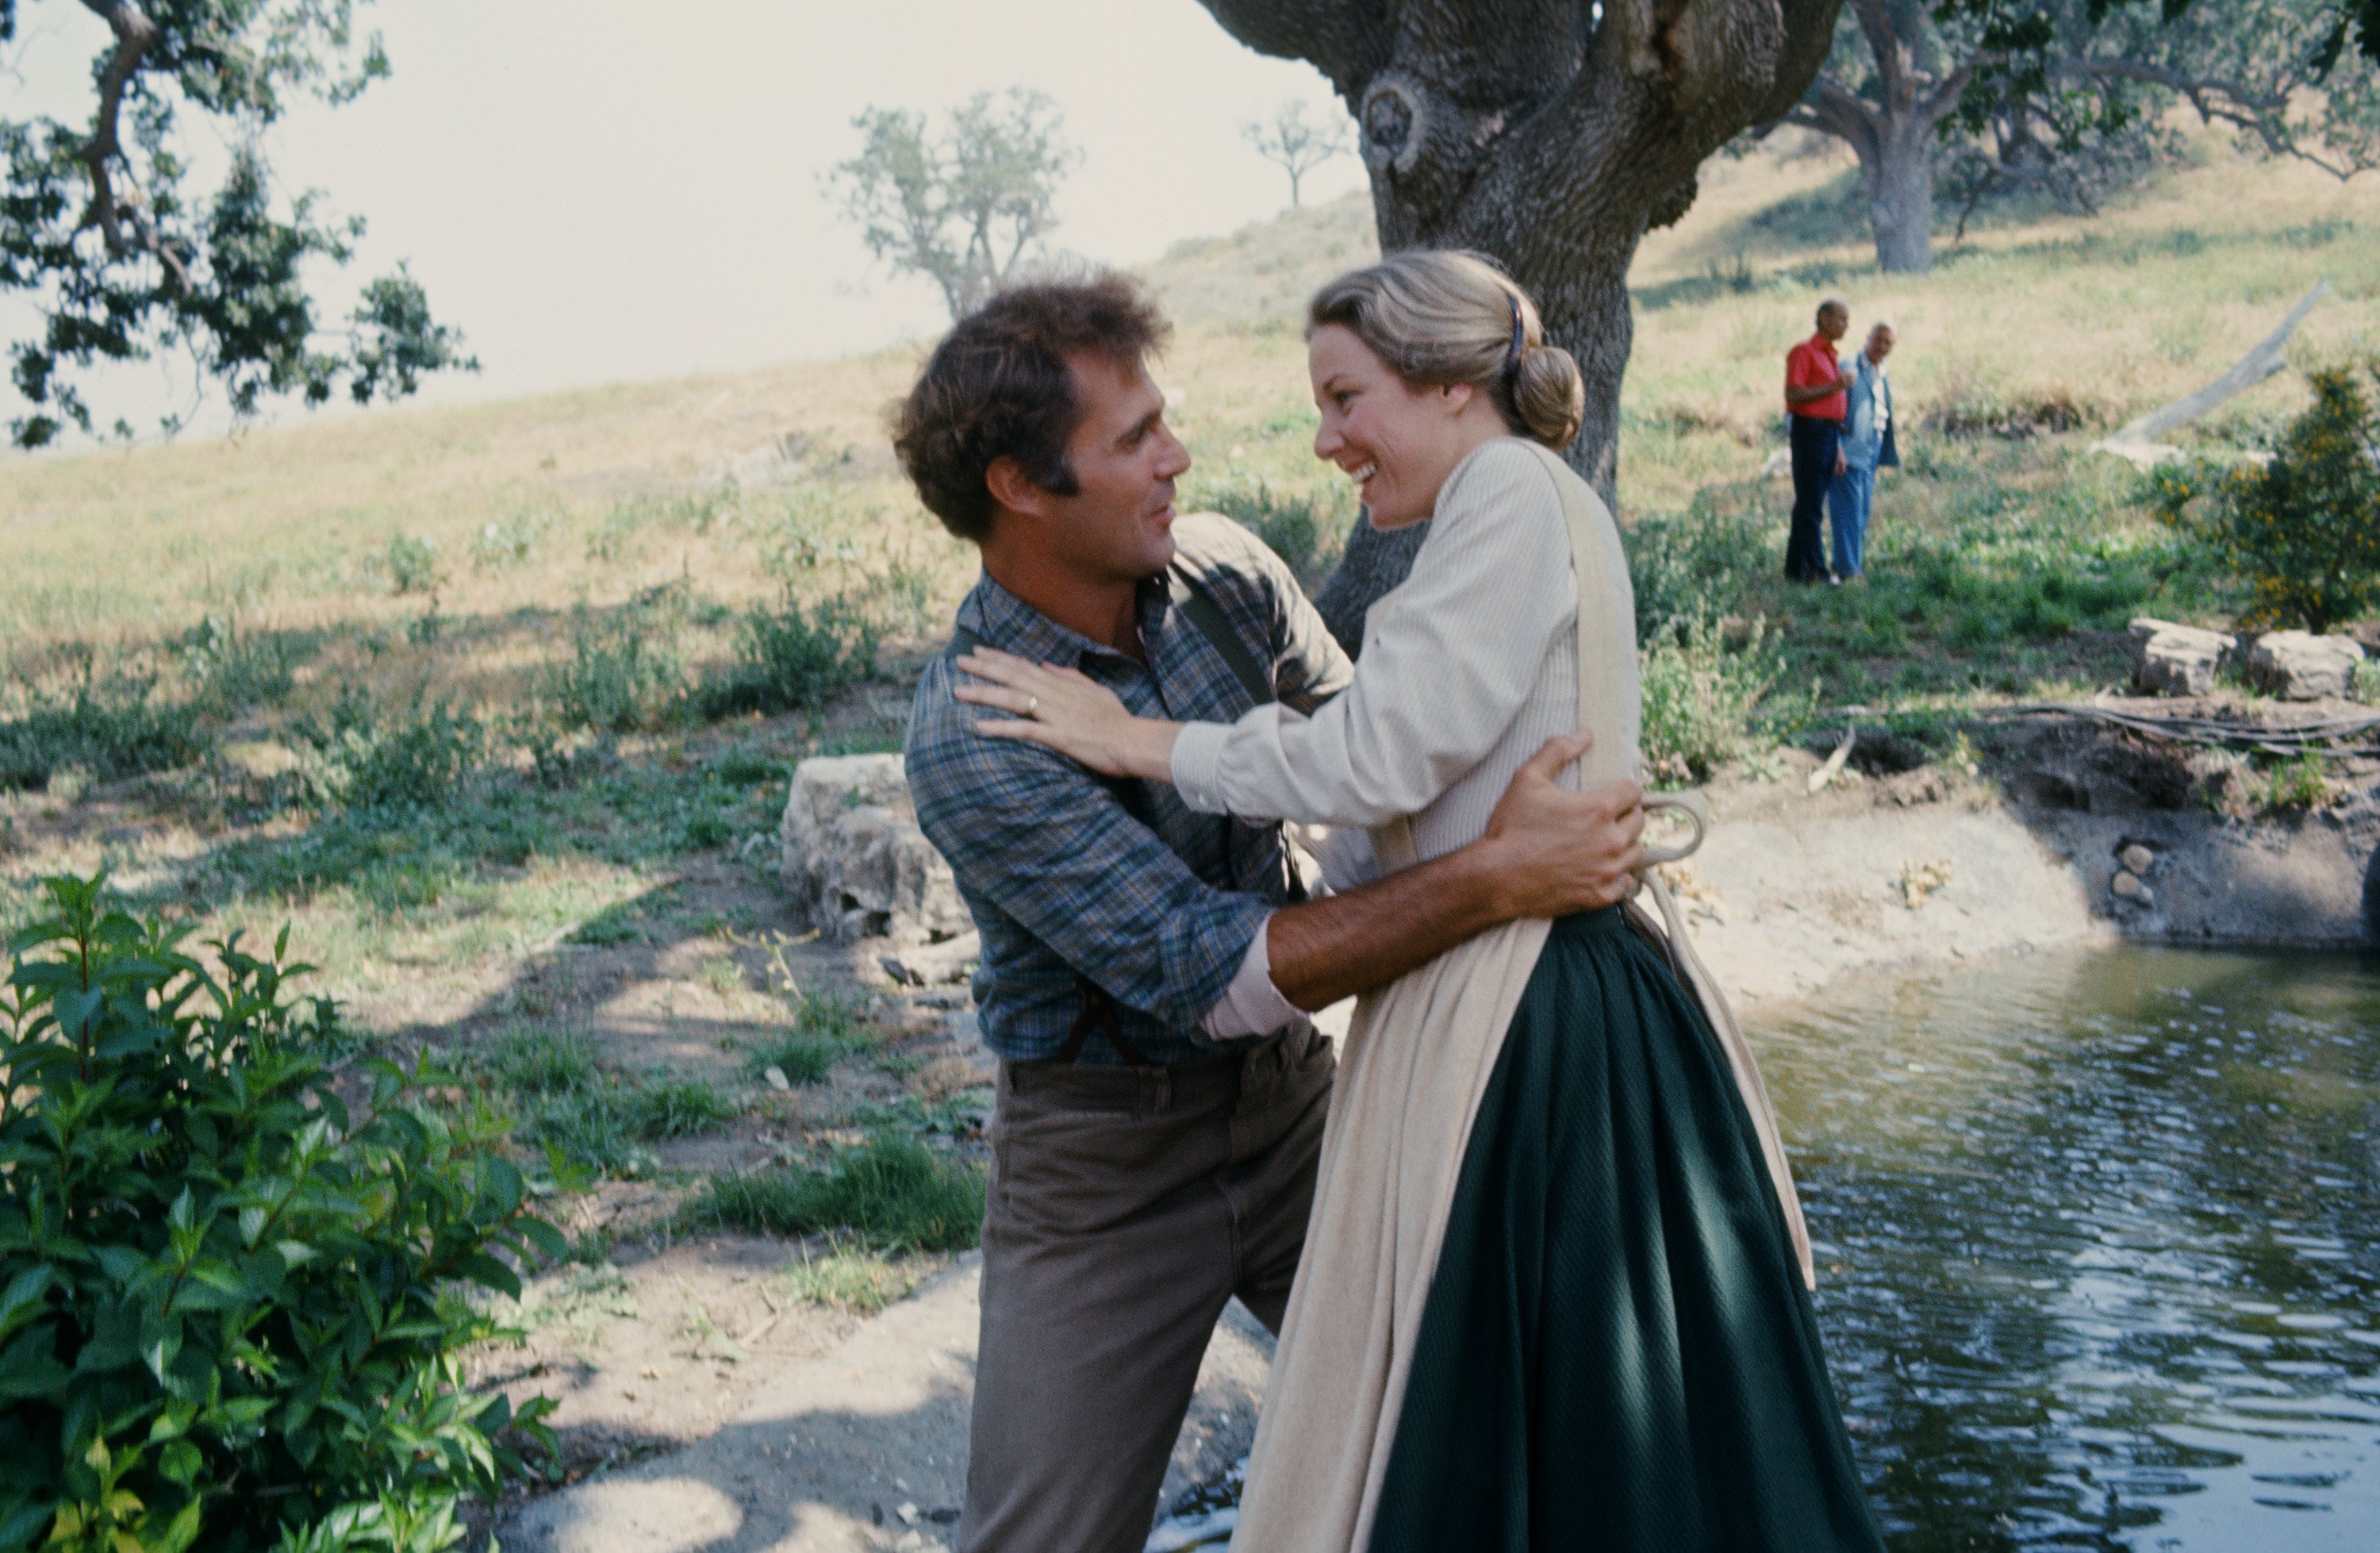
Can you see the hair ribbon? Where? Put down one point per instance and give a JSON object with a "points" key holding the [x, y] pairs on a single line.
{"points": [[1512, 357]]}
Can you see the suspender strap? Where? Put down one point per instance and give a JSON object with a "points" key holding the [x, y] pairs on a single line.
{"points": [[1099, 1010], [1205, 613]]}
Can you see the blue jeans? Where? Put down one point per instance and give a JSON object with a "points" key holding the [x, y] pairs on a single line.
{"points": [[1848, 498]]}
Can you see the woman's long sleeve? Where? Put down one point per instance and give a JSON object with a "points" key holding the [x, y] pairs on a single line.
{"points": [[1448, 659]]}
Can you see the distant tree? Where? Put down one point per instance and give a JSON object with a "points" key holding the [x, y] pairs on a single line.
{"points": [[98, 235], [965, 210], [1298, 143], [1551, 134], [2056, 94]]}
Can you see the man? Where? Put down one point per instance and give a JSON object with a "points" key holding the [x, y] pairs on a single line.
{"points": [[1867, 445], [1146, 970], [1814, 406]]}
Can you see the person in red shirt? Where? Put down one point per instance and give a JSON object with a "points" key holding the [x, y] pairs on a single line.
{"points": [[1815, 397]]}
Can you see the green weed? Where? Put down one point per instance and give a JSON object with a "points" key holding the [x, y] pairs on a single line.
{"points": [[1306, 531], [675, 1109], [623, 674], [231, 670], [891, 1193], [358, 758], [849, 1279], [2302, 783], [540, 1062], [803, 1058], [1684, 566], [789, 659], [410, 564], [586, 1128], [108, 727], [1700, 696], [827, 1028], [509, 541]]}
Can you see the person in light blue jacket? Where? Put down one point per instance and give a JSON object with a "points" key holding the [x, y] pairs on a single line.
{"points": [[1867, 445]]}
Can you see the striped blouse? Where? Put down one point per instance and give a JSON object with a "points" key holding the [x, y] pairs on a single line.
{"points": [[1467, 669]]}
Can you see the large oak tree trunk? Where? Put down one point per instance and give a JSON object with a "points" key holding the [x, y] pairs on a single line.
{"points": [[1548, 134], [1890, 128], [1899, 173]]}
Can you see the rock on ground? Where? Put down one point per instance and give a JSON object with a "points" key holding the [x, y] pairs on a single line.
{"points": [[2300, 665], [855, 860], [826, 1453], [2169, 659]]}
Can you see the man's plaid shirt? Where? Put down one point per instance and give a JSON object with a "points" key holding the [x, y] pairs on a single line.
{"points": [[1072, 875]]}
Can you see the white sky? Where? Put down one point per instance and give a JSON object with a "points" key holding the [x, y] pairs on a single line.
{"points": [[594, 195]]}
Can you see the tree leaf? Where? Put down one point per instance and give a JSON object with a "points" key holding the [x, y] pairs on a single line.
{"points": [[23, 1298]]}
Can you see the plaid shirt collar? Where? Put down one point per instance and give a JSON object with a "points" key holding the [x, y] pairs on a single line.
{"points": [[1000, 619]]}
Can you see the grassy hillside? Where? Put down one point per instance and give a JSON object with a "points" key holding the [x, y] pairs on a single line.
{"points": [[599, 493]]}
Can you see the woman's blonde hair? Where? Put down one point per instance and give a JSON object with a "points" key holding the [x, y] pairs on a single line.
{"points": [[1443, 316]]}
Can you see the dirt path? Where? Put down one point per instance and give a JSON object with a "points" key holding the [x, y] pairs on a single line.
{"points": [[862, 1446]]}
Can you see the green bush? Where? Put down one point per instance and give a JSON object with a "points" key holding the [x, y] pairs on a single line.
{"points": [[788, 659], [1700, 697], [891, 1192], [111, 728], [508, 540], [231, 1312], [359, 760], [623, 674], [1686, 565], [411, 564], [1307, 532], [2303, 530], [231, 670]]}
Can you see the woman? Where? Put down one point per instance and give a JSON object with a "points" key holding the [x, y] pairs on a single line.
{"points": [[1553, 1294]]}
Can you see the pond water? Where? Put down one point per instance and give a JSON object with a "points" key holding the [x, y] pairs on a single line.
{"points": [[2099, 1248]]}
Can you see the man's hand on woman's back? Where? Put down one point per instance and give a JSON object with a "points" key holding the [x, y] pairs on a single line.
{"points": [[1569, 851], [1547, 852]]}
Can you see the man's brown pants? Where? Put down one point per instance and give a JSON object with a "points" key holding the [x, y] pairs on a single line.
{"points": [[1127, 1206]]}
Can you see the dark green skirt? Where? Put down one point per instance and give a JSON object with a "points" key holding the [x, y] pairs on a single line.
{"points": [[1618, 1353]]}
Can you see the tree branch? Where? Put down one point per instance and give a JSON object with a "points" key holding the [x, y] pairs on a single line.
{"points": [[1809, 38], [1947, 92], [135, 34], [1346, 39], [1888, 49], [1842, 112], [2218, 99]]}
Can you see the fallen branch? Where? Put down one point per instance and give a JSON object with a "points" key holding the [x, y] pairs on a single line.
{"points": [[2298, 738], [2137, 441], [2295, 738]]}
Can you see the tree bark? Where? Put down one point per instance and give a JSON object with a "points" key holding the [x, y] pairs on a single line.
{"points": [[1550, 134], [1901, 196]]}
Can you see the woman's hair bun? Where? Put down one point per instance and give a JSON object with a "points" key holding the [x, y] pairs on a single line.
{"points": [[1446, 315], [1548, 394]]}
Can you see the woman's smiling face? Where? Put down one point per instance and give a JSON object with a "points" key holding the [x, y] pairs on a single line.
{"points": [[1397, 441]]}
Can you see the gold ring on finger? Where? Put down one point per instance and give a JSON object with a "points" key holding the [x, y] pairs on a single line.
{"points": [[1032, 704]]}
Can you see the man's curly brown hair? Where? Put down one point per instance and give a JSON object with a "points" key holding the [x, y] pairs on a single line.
{"points": [[998, 386]]}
